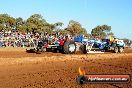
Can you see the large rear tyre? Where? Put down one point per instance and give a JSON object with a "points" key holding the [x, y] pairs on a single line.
{"points": [[84, 50], [69, 47], [121, 49], [116, 49]]}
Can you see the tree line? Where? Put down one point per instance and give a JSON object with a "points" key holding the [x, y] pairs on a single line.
{"points": [[36, 23]]}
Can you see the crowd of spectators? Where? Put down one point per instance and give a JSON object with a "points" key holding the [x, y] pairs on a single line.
{"points": [[15, 39], [19, 39]]}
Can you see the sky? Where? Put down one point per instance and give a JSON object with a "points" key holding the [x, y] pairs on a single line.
{"points": [[90, 13]]}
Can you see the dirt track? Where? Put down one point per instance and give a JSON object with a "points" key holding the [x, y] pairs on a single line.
{"points": [[19, 69]]}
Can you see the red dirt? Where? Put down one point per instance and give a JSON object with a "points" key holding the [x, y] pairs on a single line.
{"points": [[19, 69]]}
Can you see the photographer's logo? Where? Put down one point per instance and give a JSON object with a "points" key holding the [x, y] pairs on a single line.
{"points": [[101, 78]]}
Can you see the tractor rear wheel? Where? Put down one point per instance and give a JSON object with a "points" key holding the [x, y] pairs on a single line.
{"points": [[116, 50], [121, 50], [84, 50], [69, 47]]}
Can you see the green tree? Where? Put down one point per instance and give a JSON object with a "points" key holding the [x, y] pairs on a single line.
{"points": [[7, 22], [101, 31], [48, 27], [21, 25], [2, 23], [75, 28], [36, 23], [58, 26]]}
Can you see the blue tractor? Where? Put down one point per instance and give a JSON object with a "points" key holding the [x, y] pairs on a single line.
{"points": [[100, 46]]}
